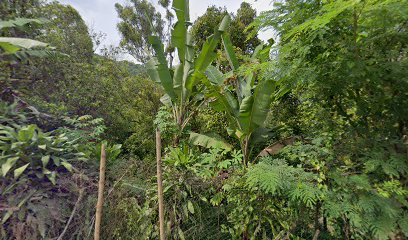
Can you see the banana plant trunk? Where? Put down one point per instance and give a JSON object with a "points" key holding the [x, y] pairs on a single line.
{"points": [[245, 150]]}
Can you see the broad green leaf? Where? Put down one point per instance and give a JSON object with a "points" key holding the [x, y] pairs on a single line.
{"points": [[181, 234], [209, 141], [207, 54], [225, 24], [20, 170], [57, 161], [25, 54], [163, 72], [246, 84], [23, 42], [188, 66], [254, 109], [67, 165], [15, 145], [151, 66], [178, 80], [229, 50], [178, 38], [214, 75], [166, 100], [20, 22], [10, 162], [26, 133], [179, 33], [190, 207], [8, 48], [6, 216], [45, 160], [52, 177], [257, 51], [223, 102], [262, 135]]}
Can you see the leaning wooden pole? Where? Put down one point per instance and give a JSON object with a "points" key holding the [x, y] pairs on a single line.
{"points": [[101, 187], [160, 184]]}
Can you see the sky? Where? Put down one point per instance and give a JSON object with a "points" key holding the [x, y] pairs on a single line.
{"points": [[100, 15]]}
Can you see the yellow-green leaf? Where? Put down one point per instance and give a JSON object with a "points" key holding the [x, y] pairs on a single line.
{"points": [[67, 165], [20, 170], [45, 160], [190, 207], [5, 167]]}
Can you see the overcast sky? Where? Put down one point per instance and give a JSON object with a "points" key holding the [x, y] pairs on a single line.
{"points": [[101, 15]]}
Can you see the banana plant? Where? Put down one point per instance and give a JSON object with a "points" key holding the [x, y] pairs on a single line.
{"points": [[246, 100], [23, 48], [181, 83]]}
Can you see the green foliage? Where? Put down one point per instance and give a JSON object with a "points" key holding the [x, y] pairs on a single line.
{"points": [[346, 40], [39, 154], [20, 22], [251, 213], [381, 162], [66, 31], [188, 177], [165, 122], [209, 141], [22, 48], [86, 128], [205, 165], [204, 26], [35, 165], [139, 20], [19, 8], [277, 178], [10, 115], [246, 101], [181, 87], [334, 76]]}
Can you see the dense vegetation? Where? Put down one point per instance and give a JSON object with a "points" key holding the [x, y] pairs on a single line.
{"points": [[301, 137]]}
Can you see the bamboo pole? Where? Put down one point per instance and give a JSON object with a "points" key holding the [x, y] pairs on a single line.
{"points": [[101, 187], [160, 185]]}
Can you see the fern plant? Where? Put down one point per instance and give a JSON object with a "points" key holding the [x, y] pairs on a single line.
{"points": [[276, 177]]}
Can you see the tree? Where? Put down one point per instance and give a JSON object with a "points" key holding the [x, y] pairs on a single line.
{"points": [[67, 31], [240, 36], [138, 22], [21, 49], [205, 24], [10, 9]]}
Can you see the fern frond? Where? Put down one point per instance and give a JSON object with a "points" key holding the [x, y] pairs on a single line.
{"points": [[403, 223], [275, 176], [306, 193]]}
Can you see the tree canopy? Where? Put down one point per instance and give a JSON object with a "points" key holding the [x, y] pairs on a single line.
{"points": [[204, 26], [139, 20]]}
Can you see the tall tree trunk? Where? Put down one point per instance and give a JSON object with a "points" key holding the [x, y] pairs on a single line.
{"points": [[101, 187], [160, 185]]}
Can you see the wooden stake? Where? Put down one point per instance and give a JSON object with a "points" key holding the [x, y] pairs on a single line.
{"points": [[101, 187], [160, 184]]}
